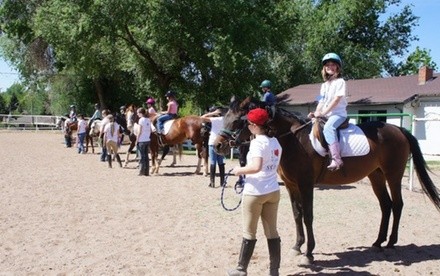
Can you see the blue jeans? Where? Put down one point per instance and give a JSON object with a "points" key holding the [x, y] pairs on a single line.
{"points": [[81, 137], [144, 163], [162, 119], [333, 122], [215, 158], [103, 153]]}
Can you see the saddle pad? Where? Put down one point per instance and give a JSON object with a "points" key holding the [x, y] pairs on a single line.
{"points": [[353, 142], [167, 126]]}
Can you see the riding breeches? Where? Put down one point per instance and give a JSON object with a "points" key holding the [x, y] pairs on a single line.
{"points": [[111, 146], [264, 206]]}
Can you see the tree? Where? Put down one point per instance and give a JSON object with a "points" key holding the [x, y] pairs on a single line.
{"points": [[417, 59], [3, 107], [205, 50]]}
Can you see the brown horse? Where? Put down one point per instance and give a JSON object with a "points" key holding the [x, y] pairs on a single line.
{"points": [[301, 168], [188, 127]]}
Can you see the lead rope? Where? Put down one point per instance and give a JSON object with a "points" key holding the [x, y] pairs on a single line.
{"points": [[238, 188]]}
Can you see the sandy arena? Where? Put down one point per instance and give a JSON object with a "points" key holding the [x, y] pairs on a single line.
{"points": [[63, 213]]}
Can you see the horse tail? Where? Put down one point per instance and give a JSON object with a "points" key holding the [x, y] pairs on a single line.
{"points": [[422, 169]]}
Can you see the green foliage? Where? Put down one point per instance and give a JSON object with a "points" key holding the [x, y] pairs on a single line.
{"points": [[122, 51], [3, 106], [417, 59]]}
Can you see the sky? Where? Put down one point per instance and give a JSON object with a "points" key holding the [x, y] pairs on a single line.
{"points": [[428, 12]]}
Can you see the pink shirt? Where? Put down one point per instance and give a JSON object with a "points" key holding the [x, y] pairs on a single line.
{"points": [[172, 107]]}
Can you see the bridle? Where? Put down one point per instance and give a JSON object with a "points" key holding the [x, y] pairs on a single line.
{"points": [[233, 137]]}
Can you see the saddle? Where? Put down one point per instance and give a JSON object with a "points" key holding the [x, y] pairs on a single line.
{"points": [[318, 130]]}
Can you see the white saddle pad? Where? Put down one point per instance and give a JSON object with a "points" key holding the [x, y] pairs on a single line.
{"points": [[167, 126], [353, 142]]}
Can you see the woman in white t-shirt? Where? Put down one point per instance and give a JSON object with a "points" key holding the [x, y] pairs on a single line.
{"points": [[111, 138], [261, 193], [143, 141]]}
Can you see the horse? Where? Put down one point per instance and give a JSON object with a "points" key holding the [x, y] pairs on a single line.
{"points": [[301, 167], [188, 127]]}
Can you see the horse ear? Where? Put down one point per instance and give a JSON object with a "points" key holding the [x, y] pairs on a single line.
{"points": [[245, 102], [232, 99]]}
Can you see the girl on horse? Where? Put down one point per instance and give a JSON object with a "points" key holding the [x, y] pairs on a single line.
{"points": [[151, 110], [332, 105], [170, 113]]}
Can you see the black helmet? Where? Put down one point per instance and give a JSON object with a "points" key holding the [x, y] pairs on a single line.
{"points": [[213, 108], [170, 94]]}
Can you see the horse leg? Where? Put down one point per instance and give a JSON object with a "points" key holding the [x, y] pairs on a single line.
{"points": [[130, 148], [91, 143], [165, 151], [394, 180], [205, 159], [378, 182], [298, 217], [199, 159], [307, 206]]}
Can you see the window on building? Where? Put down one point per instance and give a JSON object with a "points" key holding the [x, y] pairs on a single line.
{"points": [[372, 118]]}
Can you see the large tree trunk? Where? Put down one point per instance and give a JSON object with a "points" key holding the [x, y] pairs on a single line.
{"points": [[99, 93]]}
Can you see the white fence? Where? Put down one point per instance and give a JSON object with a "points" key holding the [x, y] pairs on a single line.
{"points": [[29, 122]]}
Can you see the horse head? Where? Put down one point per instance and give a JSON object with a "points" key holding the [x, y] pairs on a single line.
{"points": [[95, 127], [235, 131]]}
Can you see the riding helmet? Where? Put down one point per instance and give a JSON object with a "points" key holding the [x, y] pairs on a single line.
{"points": [[150, 101], [170, 94], [332, 57], [266, 84]]}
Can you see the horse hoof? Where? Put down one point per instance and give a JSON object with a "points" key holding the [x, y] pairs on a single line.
{"points": [[306, 261], [295, 252]]}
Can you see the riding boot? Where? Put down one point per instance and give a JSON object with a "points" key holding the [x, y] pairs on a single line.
{"points": [[335, 152], [109, 160], [274, 255], [119, 160], [247, 249], [212, 176], [221, 168]]}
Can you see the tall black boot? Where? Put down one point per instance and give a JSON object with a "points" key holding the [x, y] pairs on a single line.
{"points": [[109, 160], [119, 160], [247, 249], [221, 168], [212, 176], [274, 255]]}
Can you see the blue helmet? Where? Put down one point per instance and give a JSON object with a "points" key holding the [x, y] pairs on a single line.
{"points": [[332, 57], [266, 84]]}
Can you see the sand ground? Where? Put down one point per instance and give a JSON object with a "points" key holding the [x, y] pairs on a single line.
{"points": [[68, 214]]}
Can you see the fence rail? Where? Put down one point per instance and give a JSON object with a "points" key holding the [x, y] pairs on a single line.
{"points": [[30, 122]]}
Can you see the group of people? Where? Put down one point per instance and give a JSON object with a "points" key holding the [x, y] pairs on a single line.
{"points": [[111, 133], [261, 193]]}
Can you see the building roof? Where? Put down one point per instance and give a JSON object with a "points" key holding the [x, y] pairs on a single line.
{"points": [[372, 91]]}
